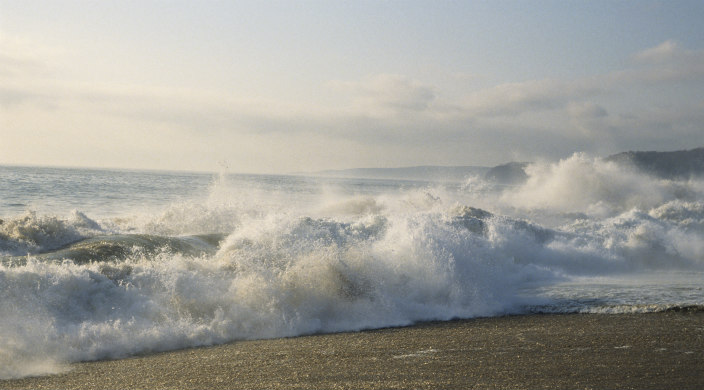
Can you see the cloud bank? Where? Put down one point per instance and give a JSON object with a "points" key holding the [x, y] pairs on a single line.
{"points": [[382, 119]]}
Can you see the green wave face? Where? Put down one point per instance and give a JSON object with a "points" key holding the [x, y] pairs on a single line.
{"points": [[124, 246]]}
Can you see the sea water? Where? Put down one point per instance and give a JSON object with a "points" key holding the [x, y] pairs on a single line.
{"points": [[98, 264]]}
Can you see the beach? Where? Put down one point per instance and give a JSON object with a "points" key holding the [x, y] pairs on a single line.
{"points": [[568, 351], [351, 195]]}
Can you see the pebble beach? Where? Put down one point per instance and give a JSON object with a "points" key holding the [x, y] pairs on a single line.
{"points": [[572, 351]]}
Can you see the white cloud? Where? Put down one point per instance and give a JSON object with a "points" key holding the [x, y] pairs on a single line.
{"points": [[19, 58], [586, 110], [536, 95], [412, 118], [666, 62], [662, 65], [665, 51], [389, 93]]}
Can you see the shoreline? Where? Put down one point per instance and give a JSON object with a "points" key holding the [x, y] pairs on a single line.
{"points": [[648, 350]]}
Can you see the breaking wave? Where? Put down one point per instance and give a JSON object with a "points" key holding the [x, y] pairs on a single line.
{"points": [[257, 262]]}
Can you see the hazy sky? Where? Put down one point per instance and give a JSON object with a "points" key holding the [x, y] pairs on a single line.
{"points": [[282, 86]]}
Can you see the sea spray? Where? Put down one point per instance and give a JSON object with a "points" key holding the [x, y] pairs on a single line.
{"points": [[30, 233], [596, 187], [275, 256], [285, 277]]}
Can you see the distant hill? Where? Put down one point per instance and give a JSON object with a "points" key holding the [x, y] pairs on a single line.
{"points": [[429, 173], [680, 164], [676, 164], [512, 173]]}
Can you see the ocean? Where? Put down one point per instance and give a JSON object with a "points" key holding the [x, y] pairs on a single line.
{"points": [[105, 264]]}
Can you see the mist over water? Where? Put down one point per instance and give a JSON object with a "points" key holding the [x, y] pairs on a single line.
{"points": [[155, 261]]}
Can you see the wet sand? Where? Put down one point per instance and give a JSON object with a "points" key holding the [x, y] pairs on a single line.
{"points": [[577, 351]]}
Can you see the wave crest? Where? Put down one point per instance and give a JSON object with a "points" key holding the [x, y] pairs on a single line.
{"points": [[596, 187], [35, 234]]}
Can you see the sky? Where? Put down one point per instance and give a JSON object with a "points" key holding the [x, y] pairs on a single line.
{"points": [[290, 86]]}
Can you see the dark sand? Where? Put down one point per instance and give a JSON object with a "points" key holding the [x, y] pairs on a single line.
{"points": [[641, 351]]}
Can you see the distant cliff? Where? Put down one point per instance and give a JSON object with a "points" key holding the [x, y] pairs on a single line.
{"points": [[429, 173], [678, 164], [512, 173]]}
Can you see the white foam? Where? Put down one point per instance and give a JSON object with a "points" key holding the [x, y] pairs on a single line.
{"points": [[32, 233], [300, 259], [598, 188], [277, 277]]}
